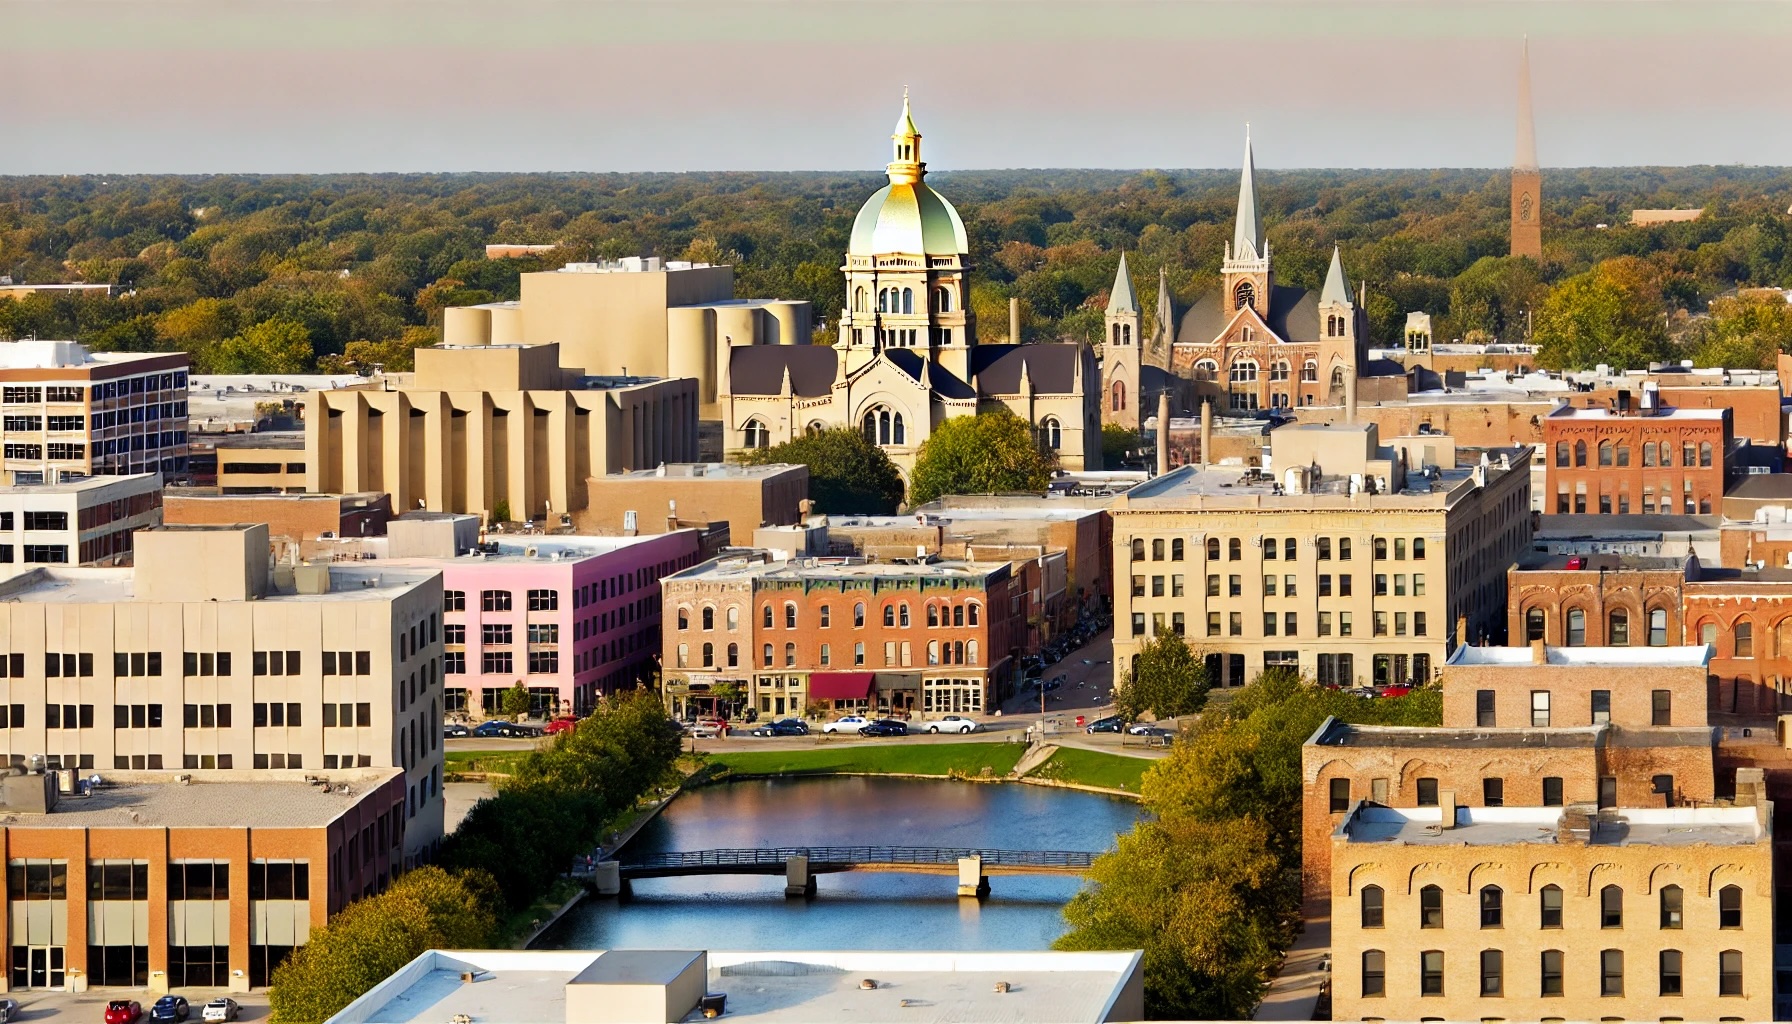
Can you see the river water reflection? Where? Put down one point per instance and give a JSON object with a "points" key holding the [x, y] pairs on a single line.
{"points": [[852, 910]]}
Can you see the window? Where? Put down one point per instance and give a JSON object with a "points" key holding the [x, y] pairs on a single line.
{"points": [[1431, 907], [789, 655], [494, 600], [1539, 709], [1602, 706], [1671, 899], [1533, 625], [1492, 906], [1661, 707], [1051, 433], [1176, 549], [1577, 628], [1608, 791], [1658, 628], [1375, 969], [1484, 713], [1493, 964], [1618, 629], [1611, 907], [1729, 973], [756, 435], [1340, 795], [1373, 901], [1431, 973], [138, 716], [1670, 972], [1729, 907], [1427, 792], [497, 633], [1344, 549], [549, 600], [1745, 639], [858, 615], [1322, 549], [1580, 453], [1234, 549], [1611, 972], [1552, 791], [1549, 905], [1381, 549], [1493, 792], [1551, 980]]}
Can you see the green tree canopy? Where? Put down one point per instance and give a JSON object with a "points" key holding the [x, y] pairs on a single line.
{"points": [[271, 346], [1116, 441], [1167, 680], [848, 475], [1744, 333], [989, 453], [1611, 314], [1489, 300], [515, 701]]}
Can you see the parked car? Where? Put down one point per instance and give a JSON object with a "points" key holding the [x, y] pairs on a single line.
{"points": [[488, 729], [454, 729], [1155, 732], [9, 1010], [851, 723], [952, 723], [1111, 723], [708, 728], [1141, 728], [884, 727], [169, 1007], [123, 1011], [782, 727], [220, 1009], [560, 725]]}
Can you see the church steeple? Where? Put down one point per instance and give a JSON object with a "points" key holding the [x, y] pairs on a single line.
{"points": [[905, 166], [1124, 323], [1247, 235], [1337, 287], [1123, 298], [1163, 333]]}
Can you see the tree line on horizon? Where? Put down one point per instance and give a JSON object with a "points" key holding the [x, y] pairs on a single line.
{"points": [[291, 273]]}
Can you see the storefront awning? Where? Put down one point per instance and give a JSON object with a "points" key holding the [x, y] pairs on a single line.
{"points": [[839, 685]]}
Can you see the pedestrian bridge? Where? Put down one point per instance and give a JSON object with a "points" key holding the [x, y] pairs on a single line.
{"points": [[800, 864]]}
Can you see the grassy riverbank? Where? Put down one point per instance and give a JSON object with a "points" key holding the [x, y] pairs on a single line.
{"points": [[1094, 768], [942, 759], [494, 762]]}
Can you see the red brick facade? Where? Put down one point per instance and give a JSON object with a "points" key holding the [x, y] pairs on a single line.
{"points": [[1672, 461]]}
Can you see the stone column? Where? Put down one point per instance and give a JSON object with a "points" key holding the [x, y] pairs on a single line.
{"points": [[1163, 432]]}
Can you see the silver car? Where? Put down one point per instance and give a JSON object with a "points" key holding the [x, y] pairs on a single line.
{"points": [[952, 723]]}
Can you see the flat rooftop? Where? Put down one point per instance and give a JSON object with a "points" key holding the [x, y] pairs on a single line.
{"points": [[1241, 487], [1666, 412], [1697, 656], [83, 484], [1507, 826], [1333, 733], [524, 549], [261, 798], [1537, 561], [701, 471], [742, 567], [285, 440], [82, 585], [1632, 525], [529, 987]]}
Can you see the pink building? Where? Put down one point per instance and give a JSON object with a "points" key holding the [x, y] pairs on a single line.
{"points": [[570, 617]]}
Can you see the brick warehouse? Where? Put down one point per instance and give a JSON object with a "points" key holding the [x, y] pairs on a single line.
{"points": [[1654, 459]]}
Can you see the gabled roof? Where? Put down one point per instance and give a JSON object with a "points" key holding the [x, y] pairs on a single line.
{"points": [[944, 382], [1293, 316], [1052, 368], [1337, 286], [1123, 299], [760, 369]]}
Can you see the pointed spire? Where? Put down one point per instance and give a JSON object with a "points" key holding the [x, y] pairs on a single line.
{"points": [[1165, 331], [905, 166], [1337, 286], [1247, 236], [1525, 156], [785, 388], [1123, 299], [1026, 378], [905, 125]]}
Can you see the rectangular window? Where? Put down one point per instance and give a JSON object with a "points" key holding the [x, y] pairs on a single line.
{"points": [[1552, 791], [1539, 709], [1493, 792], [1213, 585], [1344, 623], [1325, 586], [1484, 713], [1729, 973], [1340, 795], [1551, 981], [1611, 972], [1325, 623], [1431, 973], [1269, 586], [1375, 968], [494, 600], [1492, 968], [544, 600], [1269, 623], [1608, 791], [1427, 792], [1602, 706], [1661, 707]]}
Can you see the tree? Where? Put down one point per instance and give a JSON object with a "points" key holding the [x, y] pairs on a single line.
{"points": [[516, 701], [989, 453], [271, 346], [848, 475], [1744, 333], [1492, 296], [1612, 314], [1167, 680], [1116, 442]]}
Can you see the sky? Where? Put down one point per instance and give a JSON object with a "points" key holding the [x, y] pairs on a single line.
{"points": [[203, 86]]}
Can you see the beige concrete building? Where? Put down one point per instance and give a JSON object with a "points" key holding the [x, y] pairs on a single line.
{"points": [[301, 527], [907, 357], [65, 410], [660, 499], [1554, 913], [496, 430], [1352, 560], [84, 521], [205, 659]]}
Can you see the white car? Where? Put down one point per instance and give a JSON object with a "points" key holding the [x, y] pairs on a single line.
{"points": [[851, 723], [1140, 728], [952, 723], [220, 1010]]}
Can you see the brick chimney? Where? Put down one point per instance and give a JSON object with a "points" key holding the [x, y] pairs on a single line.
{"points": [[1539, 653]]}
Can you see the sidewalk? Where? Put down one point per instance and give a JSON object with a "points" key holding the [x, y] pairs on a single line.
{"points": [[1294, 993]]}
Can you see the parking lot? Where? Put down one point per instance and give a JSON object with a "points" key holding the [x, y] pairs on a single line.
{"points": [[90, 1006]]}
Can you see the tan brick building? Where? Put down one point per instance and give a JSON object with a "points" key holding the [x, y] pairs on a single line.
{"points": [[1597, 600], [657, 499], [1351, 559], [305, 526]]}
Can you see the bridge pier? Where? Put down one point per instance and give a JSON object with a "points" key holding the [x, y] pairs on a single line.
{"points": [[972, 881], [798, 882], [607, 878]]}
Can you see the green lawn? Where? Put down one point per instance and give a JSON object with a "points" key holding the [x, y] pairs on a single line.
{"points": [[900, 758], [1094, 768], [501, 762]]}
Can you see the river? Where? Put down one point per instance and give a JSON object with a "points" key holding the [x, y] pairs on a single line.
{"points": [[851, 910]]}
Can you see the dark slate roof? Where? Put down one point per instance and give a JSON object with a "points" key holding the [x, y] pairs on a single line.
{"points": [[759, 369], [1383, 368], [945, 383], [1152, 379], [1293, 316], [1052, 367]]}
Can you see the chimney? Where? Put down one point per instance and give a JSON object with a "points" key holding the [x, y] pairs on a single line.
{"points": [[1163, 432], [1014, 320], [1575, 826], [1624, 402], [1350, 394], [1446, 804], [1539, 653], [1206, 432], [1462, 631]]}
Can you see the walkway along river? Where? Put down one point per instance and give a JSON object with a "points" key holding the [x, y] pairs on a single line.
{"points": [[851, 910]]}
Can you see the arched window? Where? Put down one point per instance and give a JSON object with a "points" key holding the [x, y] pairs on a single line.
{"points": [[789, 615], [814, 427], [858, 300], [883, 300], [1704, 453], [1119, 402], [1493, 907], [908, 300], [1279, 370], [1561, 453], [1618, 629], [958, 615], [1623, 455], [1234, 549], [768, 655], [733, 655], [1667, 455], [858, 615], [1580, 453], [1658, 627], [933, 652], [684, 654], [903, 616], [971, 612], [789, 655], [1244, 295], [1373, 906], [1125, 334], [1611, 907], [933, 614], [889, 615], [709, 655], [1648, 453], [709, 618], [1051, 433], [1331, 326], [1533, 625], [1337, 378], [898, 435], [1116, 338], [768, 616], [1605, 453], [958, 652], [970, 652], [942, 300], [1431, 907], [1672, 909], [1729, 907], [684, 618], [1244, 371], [1213, 549], [1708, 633], [1745, 640], [1577, 628], [1309, 371], [1138, 549], [1207, 369], [755, 434]]}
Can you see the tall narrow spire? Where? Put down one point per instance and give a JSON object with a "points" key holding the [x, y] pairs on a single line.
{"points": [[1247, 236], [1337, 286], [1123, 299], [1525, 155], [1164, 332], [905, 166]]}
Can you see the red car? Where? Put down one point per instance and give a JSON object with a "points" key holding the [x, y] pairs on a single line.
{"points": [[559, 725], [123, 1011]]}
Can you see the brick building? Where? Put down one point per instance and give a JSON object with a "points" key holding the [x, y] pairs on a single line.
{"points": [[303, 525], [933, 637], [654, 500], [1597, 600], [1745, 615], [1652, 460]]}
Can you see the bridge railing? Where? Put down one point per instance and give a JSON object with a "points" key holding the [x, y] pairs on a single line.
{"points": [[757, 857]]}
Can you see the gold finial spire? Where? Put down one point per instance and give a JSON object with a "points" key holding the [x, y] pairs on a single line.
{"points": [[905, 163]]}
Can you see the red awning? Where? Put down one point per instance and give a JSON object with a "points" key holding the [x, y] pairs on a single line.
{"points": [[839, 685]]}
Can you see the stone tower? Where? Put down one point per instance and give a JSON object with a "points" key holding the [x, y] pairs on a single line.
{"points": [[1341, 329], [1245, 272], [1527, 180], [1120, 352]]}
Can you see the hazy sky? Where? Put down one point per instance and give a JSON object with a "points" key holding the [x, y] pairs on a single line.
{"points": [[596, 85]]}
